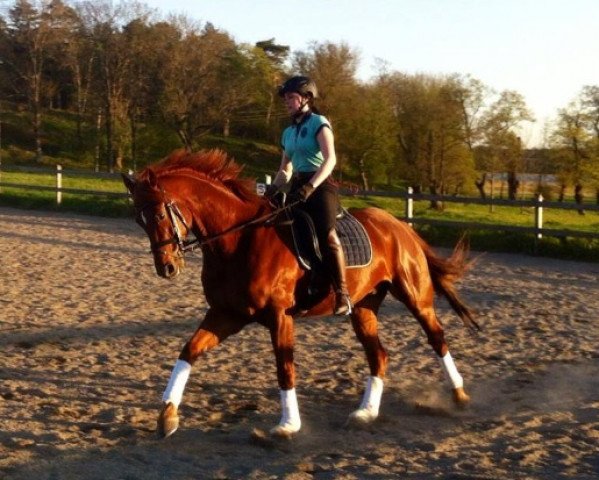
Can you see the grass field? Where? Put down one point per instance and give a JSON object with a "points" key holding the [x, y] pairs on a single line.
{"points": [[583, 249]]}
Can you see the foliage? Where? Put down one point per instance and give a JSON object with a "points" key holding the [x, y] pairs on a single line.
{"points": [[135, 85]]}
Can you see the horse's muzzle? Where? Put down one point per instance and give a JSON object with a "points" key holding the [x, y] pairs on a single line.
{"points": [[169, 269]]}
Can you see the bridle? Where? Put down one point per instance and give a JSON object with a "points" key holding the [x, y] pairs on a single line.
{"points": [[174, 214]]}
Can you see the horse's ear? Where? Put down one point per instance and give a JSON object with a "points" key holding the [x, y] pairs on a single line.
{"points": [[129, 183], [152, 179]]}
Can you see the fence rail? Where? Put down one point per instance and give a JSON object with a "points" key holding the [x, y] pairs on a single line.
{"points": [[538, 204]]}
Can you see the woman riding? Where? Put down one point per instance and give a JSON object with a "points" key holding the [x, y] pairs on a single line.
{"points": [[308, 160]]}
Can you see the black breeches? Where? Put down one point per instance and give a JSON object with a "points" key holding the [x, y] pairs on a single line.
{"points": [[322, 206]]}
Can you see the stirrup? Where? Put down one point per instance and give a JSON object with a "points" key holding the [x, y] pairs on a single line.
{"points": [[343, 305]]}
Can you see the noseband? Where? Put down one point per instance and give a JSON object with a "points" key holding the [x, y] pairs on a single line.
{"points": [[174, 214]]}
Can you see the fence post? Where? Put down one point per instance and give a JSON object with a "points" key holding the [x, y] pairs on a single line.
{"points": [[58, 184], [410, 206], [539, 216], [129, 196]]}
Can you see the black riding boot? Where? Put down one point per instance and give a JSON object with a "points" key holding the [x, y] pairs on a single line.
{"points": [[336, 265]]}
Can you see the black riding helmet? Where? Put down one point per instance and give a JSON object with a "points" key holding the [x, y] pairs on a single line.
{"points": [[299, 84]]}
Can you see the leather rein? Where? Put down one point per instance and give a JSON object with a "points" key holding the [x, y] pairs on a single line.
{"points": [[174, 214]]}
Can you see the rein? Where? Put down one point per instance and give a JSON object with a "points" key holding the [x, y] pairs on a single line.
{"points": [[174, 214], [191, 245]]}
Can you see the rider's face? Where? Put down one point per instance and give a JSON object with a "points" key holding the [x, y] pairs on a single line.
{"points": [[293, 102]]}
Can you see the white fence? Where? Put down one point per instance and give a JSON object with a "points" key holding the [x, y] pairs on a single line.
{"points": [[536, 228], [58, 189]]}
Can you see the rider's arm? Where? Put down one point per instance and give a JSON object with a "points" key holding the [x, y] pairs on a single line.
{"points": [[326, 141], [284, 174]]}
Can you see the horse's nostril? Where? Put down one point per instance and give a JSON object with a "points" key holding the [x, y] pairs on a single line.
{"points": [[170, 270]]}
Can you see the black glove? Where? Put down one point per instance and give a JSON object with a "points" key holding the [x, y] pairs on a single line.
{"points": [[301, 194], [271, 190]]}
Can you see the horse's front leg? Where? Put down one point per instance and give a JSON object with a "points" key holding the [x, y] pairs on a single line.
{"points": [[215, 327], [282, 337]]}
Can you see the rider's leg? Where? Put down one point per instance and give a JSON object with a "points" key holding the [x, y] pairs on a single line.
{"points": [[323, 207], [336, 264]]}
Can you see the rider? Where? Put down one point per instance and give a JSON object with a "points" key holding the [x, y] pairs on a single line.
{"points": [[308, 160]]}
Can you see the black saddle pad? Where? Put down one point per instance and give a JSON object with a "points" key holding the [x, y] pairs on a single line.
{"points": [[355, 241], [352, 235]]}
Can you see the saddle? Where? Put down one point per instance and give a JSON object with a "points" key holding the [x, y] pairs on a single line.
{"points": [[352, 235]]}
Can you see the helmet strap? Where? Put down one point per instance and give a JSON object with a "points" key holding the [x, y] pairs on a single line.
{"points": [[302, 110]]}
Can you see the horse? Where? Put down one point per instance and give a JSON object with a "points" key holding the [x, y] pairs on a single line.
{"points": [[250, 273]]}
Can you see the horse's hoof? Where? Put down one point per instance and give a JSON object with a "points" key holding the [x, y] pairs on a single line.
{"points": [[285, 431], [460, 397], [361, 417], [168, 420]]}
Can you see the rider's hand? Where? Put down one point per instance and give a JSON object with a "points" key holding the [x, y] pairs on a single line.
{"points": [[301, 194], [271, 190]]}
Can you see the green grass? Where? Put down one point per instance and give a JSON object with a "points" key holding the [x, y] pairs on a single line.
{"points": [[493, 240], [501, 215], [482, 240]]}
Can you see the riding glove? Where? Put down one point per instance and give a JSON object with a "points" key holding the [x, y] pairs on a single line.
{"points": [[301, 194], [271, 190]]}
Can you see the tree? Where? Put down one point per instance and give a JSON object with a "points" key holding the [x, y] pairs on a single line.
{"points": [[333, 68], [191, 77], [470, 94], [431, 135], [29, 35], [271, 70], [590, 105], [501, 142], [573, 142], [371, 142]]}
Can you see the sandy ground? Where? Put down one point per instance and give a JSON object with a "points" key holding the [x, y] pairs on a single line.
{"points": [[89, 333]]}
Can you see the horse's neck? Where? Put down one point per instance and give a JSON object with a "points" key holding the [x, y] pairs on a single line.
{"points": [[217, 210]]}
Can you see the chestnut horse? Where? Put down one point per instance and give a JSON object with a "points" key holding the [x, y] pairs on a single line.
{"points": [[250, 274]]}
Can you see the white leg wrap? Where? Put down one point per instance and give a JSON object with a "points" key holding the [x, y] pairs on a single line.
{"points": [[176, 384], [290, 418], [371, 401], [451, 372], [372, 395]]}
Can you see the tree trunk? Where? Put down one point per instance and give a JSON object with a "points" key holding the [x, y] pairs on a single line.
{"points": [[98, 138], [434, 190], [118, 160], [37, 131], [433, 185], [513, 185], [562, 193], [363, 175], [227, 127], [579, 197], [133, 122], [271, 101], [480, 185]]}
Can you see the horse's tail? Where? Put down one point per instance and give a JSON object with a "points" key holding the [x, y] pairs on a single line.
{"points": [[445, 272]]}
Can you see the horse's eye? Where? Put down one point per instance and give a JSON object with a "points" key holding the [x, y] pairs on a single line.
{"points": [[160, 216]]}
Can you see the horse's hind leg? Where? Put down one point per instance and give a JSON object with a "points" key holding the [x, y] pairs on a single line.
{"points": [[420, 303], [365, 324]]}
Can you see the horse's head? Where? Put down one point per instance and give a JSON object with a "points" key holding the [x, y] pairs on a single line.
{"points": [[163, 221]]}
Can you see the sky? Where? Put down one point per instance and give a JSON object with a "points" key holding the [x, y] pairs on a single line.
{"points": [[546, 50]]}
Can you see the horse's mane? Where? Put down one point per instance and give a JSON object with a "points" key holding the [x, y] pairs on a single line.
{"points": [[212, 164]]}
